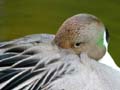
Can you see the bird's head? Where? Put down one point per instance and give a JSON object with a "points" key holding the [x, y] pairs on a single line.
{"points": [[83, 33]]}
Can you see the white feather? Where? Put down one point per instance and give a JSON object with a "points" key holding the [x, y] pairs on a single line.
{"points": [[107, 59]]}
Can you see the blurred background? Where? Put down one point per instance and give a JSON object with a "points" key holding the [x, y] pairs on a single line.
{"points": [[23, 17]]}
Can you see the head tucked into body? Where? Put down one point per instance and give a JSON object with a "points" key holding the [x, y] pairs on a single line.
{"points": [[83, 33]]}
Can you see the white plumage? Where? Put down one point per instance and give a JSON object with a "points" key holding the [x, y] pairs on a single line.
{"points": [[107, 59], [67, 61], [34, 63]]}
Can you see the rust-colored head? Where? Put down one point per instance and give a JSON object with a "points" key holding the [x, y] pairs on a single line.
{"points": [[82, 33]]}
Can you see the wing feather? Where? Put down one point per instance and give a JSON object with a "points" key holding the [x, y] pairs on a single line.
{"points": [[25, 65]]}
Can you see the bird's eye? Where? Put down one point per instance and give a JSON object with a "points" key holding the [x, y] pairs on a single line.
{"points": [[77, 44]]}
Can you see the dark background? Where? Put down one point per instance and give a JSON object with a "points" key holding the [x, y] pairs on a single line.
{"points": [[22, 17]]}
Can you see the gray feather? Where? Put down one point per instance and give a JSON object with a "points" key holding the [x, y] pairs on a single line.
{"points": [[34, 63]]}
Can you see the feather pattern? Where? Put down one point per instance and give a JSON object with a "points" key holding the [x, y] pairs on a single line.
{"points": [[34, 63]]}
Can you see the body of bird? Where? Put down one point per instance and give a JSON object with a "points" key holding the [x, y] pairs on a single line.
{"points": [[67, 61]]}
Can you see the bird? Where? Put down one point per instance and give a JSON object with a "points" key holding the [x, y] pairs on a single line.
{"points": [[107, 59], [69, 60]]}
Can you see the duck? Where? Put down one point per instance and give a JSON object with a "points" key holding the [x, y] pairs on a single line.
{"points": [[70, 60], [107, 59], [101, 38]]}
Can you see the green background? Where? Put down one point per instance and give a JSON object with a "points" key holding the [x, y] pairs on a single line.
{"points": [[22, 17]]}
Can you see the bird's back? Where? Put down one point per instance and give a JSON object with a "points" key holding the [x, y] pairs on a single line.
{"points": [[34, 63]]}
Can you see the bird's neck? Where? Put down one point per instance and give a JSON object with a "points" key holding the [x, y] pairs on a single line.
{"points": [[107, 60]]}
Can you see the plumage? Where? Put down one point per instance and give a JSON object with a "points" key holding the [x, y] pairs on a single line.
{"points": [[35, 62], [53, 70]]}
